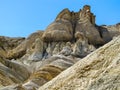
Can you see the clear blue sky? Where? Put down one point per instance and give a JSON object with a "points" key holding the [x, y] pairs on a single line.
{"points": [[22, 17]]}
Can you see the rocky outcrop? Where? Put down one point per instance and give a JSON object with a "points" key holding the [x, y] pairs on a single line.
{"points": [[25, 48], [12, 72], [48, 69], [67, 27], [86, 25], [98, 71], [7, 43], [29, 63], [66, 50], [114, 30], [38, 51], [61, 29], [67, 24], [81, 47], [104, 33]]}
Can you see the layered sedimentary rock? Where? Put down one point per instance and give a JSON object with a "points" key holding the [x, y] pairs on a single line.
{"points": [[98, 71], [67, 27], [114, 30], [12, 72], [7, 43], [61, 29], [86, 25], [29, 63], [26, 47], [38, 51], [48, 69]]}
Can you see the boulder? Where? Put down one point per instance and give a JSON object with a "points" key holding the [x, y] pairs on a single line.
{"points": [[61, 29]]}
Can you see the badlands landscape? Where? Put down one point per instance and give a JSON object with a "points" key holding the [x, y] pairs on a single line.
{"points": [[72, 53]]}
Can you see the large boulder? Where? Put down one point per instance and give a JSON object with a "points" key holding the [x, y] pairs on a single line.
{"points": [[61, 29]]}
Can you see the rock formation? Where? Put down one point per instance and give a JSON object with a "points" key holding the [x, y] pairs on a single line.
{"points": [[67, 27], [48, 69], [114, 30], [7, 43], [86, 25], [29, 63], [12, 72], [25, 48], [98, 71], [38, 51], [61, 29]]}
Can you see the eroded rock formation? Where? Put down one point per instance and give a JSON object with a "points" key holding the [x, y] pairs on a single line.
{"points": [[28, 63], [67, 27], [98, 71], [114, 30], [48, 69]]}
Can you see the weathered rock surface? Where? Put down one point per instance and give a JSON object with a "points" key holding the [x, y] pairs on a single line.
{"points": [[7, 43], [98, 71], [38, 51], [48, 69], [25, 48], [86, 25], [28, 63], [61, 29], [12, 72], [67, 27], [114, 30], [67, 24]]}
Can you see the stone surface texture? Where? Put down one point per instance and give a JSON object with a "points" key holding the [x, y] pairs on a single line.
{"points": [[99, 70]]}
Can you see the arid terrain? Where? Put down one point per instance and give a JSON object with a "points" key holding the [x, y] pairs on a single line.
{"points": [[72, 53]]}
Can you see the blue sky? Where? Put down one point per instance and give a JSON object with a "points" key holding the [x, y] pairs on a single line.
{"points": [[22, 17]]}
